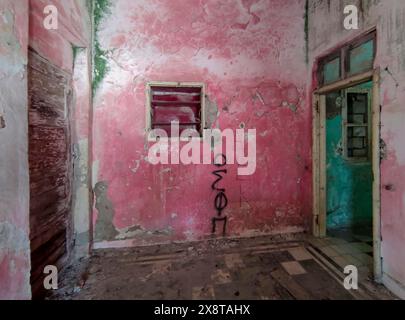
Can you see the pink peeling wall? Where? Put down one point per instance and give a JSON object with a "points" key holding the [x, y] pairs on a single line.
{"points": [[251, 56], [14, 186], [73, 30], [326, 32]]}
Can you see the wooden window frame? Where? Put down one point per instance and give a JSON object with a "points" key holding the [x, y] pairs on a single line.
{"points": [[343, 53], [346, 125], [151, 84]]}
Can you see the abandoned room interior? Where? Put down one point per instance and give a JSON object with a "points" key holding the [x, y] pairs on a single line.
{"points": [[98, 188]]}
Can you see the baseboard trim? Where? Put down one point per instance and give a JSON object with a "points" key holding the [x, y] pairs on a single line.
{"points": [[290, 235], [394, 286]]}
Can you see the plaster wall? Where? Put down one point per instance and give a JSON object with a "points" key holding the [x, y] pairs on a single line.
{"points": [[14, 181], [251, 56], [327, 32]]}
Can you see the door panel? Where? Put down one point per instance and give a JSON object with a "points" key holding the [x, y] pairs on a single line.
{"points": [[50, 166], [348, 158]]}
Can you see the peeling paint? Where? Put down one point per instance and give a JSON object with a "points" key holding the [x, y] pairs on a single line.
{"points": [[211, 112], [250, 65], [306, 26], [325, 32], [105, 229], [136, 167], [383, 150], [15, 262], [138, 231]]}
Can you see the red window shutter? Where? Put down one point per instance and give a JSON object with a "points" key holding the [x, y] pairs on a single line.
{"points": [[182, 104]]}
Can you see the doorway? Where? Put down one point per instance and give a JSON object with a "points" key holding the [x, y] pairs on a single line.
{"points": [[50, 165], [346, 162]]}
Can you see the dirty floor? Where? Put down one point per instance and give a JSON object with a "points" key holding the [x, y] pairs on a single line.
{"points": [[348, 246], [254, 268]]}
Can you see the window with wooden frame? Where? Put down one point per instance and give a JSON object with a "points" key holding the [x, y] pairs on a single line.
{"points": [[169, 102], [356, 137], [354, 58]]}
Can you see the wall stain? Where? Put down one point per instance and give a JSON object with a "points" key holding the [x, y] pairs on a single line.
{"points": [[383, 150], [105, 229], [137, 231], [306, 30], [211, 112]]}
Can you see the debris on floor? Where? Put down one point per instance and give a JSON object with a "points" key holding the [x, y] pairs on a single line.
{"points": [[253, 268]]}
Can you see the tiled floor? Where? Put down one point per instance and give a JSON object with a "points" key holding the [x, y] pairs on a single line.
{"points": [[345, 247], [254, 268]]}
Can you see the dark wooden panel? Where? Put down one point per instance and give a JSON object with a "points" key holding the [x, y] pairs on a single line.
{"points": [[50, 167]]}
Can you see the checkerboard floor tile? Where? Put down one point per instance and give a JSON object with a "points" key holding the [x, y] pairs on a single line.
{"points": [[300, 253], [349, 247], [209, 270], [293, 268]]}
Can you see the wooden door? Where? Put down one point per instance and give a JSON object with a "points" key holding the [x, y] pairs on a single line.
{"points": [[50, 166]]}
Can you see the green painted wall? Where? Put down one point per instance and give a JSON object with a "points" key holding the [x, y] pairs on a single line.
{"points": [[349, 185]]}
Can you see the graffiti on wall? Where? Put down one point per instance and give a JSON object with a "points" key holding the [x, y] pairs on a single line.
{"points": [[221, 201]]}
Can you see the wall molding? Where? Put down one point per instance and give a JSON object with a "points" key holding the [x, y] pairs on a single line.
{"points": [[393, 285]]}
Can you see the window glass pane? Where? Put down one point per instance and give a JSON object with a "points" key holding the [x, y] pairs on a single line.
{"points": [[357, 142], [357, 119], [333, 104], [331, 71], [357, 108], [361, 58]]}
